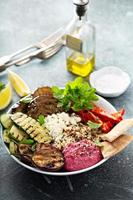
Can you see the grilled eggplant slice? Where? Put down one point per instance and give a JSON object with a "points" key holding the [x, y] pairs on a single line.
{"points": [[24, 149], [48, 157], [26, 152], [43, 105], [43, 91], [20, 107], [31, 127]]}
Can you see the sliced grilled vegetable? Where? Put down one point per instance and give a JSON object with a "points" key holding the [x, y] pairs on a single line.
{"points": [[6, 136], [44, 105], [12, 148], [13, 140], [17, 133], [6, 120], [48, 157], [24, 149], [20, 107], [31, 127], [25, 153], [43, 91]]}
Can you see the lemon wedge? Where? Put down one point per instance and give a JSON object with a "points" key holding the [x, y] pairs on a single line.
{"points": [[5, 96], [18, 84]]}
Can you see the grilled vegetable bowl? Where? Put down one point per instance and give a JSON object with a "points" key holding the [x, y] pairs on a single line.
{"points": [[64, 131]]}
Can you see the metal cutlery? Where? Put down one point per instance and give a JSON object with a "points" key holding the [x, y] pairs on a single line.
{"points": [[43, 53], [42, 50]]}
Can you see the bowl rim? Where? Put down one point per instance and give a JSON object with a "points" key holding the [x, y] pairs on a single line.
{"points": [[100, 101]]}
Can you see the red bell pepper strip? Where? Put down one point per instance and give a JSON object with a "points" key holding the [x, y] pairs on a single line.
{"points": [[106, 127], [87, 115], [98, 115], [105, 117], [119, 115]]}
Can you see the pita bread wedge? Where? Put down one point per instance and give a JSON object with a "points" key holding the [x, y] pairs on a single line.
{"points": [[118, 130], [110, 149]]}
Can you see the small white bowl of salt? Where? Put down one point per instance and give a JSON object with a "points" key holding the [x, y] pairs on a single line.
{"points": [[110, 81]]}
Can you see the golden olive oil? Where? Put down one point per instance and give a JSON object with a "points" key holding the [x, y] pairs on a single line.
{"points": [[80, 42], [78, 64]]}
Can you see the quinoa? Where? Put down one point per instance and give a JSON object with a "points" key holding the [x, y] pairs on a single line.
{"points": [[76, 133], [66, 129]]}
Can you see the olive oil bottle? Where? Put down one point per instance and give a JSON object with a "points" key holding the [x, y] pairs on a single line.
{"points": [[80, 42]]}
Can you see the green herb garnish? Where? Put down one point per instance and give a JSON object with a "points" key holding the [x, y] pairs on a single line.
{"points": [[2, 86], [93, 125], [27, 141], [77, 95], [41, 119], [27, 99], [98, 143]]}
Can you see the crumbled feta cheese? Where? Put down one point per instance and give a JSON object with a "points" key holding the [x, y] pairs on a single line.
{"points": [[56, 123]]}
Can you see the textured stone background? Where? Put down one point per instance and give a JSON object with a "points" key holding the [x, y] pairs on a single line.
{"points": [[27, 21]]}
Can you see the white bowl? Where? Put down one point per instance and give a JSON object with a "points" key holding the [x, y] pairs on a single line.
{"points": [[110, 81], [102, 103]]}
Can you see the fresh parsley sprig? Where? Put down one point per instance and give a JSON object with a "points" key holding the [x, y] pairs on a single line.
{"points": [[41, 119], [77, 95], [98, 143], [93, 125]]}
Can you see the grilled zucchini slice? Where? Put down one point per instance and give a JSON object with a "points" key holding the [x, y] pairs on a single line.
{"points": [[31, 127], [6, 120], [6, 137], [17, 133], [12, 148]]}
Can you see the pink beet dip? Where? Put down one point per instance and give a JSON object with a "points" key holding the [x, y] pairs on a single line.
{"points": [[81, 155]]}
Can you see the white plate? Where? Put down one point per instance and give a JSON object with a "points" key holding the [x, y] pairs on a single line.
{"points": [[102, 103], [110, 81]]}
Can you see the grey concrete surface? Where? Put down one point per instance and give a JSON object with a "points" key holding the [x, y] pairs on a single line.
{"points": [[27, 21]]}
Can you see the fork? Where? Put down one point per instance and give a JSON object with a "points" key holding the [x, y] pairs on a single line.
{"points": [[43, 50], [42, 53]]}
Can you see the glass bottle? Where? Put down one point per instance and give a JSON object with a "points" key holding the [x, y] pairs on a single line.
{"points": [[80, 42]]}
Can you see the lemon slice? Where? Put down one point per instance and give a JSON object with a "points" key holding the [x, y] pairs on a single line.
{"points": [[18, 84], [5, 96]]}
